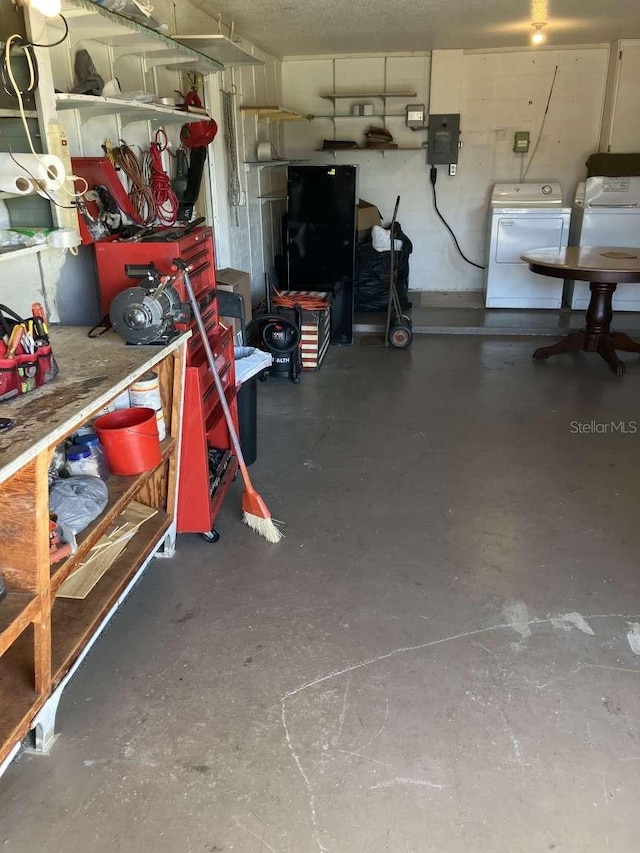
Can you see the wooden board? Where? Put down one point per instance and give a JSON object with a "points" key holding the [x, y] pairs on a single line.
{"points": [[106, 551]]}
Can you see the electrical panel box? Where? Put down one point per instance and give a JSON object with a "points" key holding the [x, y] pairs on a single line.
{"points": [[521, 141], [443, 139]]}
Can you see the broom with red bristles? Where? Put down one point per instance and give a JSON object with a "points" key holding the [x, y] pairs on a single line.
{"points": [[254, 510]]}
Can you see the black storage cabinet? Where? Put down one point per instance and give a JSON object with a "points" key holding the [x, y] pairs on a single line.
{"points": [[321, 238]]}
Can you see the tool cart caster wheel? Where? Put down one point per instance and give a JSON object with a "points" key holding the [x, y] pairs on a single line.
{"points": [[400, 337], [212, 535]]}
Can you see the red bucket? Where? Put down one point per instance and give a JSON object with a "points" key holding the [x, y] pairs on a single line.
{"points": [[130, 440]]}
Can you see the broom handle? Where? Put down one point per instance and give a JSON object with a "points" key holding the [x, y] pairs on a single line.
{"points": [[214, 370]]}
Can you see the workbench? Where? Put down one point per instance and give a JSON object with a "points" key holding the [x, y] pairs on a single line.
{"points": [[44, 638]]}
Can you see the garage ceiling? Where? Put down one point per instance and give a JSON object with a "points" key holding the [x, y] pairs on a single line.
{"points": [[307, 27]]}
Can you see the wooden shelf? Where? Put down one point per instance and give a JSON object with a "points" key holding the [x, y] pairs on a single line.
{"points": [[337, 96], [121, 491], [94, 106], [18, 698], [275, 113], [73, 621], [17, 611]]}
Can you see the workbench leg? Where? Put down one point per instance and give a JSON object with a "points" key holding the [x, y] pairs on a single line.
{"points": [[168, 547], [44, 725]]}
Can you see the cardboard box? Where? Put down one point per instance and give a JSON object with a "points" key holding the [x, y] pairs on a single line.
{"points": [[368, 216], [237, 282]]}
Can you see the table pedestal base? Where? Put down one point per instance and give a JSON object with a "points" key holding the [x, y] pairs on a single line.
{"points": [[596, 336]]}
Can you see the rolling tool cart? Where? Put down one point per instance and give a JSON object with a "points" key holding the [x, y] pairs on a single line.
{"points": [[207, 463]]}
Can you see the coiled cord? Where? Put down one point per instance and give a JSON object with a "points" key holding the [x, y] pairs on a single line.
{"points": [[140, 194], [165, 200]]}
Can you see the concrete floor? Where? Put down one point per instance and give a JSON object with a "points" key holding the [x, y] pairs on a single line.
{"points": [[434, 660]]}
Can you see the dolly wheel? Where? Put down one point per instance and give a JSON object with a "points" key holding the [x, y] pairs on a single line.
{"points": [[212, 535], [400, 337]]}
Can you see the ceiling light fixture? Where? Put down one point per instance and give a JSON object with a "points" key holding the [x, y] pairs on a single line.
{"points": [[538, 37], [48, 8]]}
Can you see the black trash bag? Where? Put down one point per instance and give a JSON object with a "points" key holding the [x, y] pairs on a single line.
{"points": [[373, 270]]}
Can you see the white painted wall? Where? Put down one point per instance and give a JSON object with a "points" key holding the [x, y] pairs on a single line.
{"points": [[501, 92], [621, 125], [248, 235]]}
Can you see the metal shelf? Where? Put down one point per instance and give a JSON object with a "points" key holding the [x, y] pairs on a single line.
{"points": [[16, 113], [262, 163], [94, 106], [276, 196], [89, 21], [336, 96], [348, 115], [25, 250], [219, 48]]}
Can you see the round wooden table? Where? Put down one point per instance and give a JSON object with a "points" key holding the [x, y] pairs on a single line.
{"points": [[604, 267]]}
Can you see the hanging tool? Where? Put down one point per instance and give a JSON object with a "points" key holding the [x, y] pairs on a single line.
{"points": [[254, 510], [180, 182]]}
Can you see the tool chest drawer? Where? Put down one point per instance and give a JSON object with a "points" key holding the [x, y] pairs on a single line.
{"points": [[112, 256]]}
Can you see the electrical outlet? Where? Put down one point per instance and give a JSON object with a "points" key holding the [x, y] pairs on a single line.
{"points": [[521, 141], [453, 169]]}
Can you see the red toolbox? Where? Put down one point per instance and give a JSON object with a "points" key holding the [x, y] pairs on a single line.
{"points": [[204, 426]]}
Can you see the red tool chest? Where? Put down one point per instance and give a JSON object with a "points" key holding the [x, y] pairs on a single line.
{"points": [[203, 421]]}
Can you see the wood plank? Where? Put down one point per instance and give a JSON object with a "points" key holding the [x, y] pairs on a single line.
{"points": [[177, 413], [19, 530], [19, 701], [17, 611], [165, 382], [92, 373], [121, 491], [154, 491], [74, 621], [106, 551]]}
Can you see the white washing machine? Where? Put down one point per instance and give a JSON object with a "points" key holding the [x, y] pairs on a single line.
{"points": [[606, 212], [524, 217]]}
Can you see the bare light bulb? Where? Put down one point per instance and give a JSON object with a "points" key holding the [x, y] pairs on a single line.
{"points": [[538, 37], [48, 8]]}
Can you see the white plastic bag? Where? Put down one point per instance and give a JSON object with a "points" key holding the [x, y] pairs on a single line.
{"points": [[78, 500], [381, 240]]}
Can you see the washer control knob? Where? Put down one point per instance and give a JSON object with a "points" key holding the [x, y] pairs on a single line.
{"points": [[547, 190]]}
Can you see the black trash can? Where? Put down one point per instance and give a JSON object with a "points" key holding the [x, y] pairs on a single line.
{"points": [[248, 419]]}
